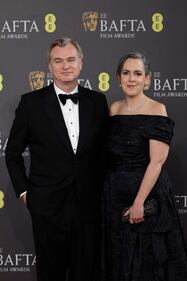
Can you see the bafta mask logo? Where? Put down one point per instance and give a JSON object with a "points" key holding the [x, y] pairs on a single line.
{"points": [[90, 20], [36, 79]]}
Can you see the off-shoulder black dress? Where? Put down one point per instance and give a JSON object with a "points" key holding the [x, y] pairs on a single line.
{"points": [[153, 250]]}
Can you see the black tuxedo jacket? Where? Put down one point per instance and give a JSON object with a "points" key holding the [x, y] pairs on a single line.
{"points": [[54, 168]]}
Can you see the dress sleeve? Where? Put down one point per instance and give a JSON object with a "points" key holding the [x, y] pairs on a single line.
{"points": [[159, 128]]}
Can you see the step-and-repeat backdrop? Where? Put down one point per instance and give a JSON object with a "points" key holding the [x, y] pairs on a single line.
{"points": [[106, 30]]}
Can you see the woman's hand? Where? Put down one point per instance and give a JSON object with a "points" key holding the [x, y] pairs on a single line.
{"points": [[135, 213]]}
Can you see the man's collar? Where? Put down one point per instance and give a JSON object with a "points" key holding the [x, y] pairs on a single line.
{"points": [[59, 91]]}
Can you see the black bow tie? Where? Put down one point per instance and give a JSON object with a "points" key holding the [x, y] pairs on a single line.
{"points": [[73, 97]]}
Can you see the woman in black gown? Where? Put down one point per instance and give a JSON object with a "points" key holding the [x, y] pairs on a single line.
{"points": [[145, 248]]}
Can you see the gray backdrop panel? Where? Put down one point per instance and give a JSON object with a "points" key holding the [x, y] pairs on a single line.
{"points": [[26, 30]]}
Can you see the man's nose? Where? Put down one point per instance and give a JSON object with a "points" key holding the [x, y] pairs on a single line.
{"points": [[65, 64]]}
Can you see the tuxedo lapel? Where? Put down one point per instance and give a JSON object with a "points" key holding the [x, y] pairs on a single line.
{"points": [[55, 116], [86, 113]]}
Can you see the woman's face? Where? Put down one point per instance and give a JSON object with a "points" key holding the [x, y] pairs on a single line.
{"points": [[133, 78]]}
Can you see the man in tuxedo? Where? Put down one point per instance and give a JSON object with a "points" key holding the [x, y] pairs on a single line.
{"points": [[63, 125]]}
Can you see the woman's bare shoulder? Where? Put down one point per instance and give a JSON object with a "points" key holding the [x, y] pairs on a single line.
{"points": [[157, 108], [115, 107]]}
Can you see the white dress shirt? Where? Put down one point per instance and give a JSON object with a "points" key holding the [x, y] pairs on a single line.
{"points": [[70, 112]]}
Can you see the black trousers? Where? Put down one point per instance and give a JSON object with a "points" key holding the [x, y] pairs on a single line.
{"points": [[67, 249]]}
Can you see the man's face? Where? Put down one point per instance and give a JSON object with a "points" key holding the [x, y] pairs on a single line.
{"points": [[65, 65]]}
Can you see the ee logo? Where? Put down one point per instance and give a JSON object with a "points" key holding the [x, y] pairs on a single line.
{"points": [[104, 79], [50, 25], [1, 199], [1, 82], [157, 22]]}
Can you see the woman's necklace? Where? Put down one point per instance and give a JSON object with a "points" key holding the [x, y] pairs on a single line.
{"points": [[132, 109]]}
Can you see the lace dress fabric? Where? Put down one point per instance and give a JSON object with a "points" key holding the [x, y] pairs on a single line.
{"points": [[153, 250]]}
